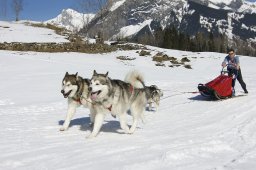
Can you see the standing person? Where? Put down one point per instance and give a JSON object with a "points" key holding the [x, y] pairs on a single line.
{"points": [[233, 65]]}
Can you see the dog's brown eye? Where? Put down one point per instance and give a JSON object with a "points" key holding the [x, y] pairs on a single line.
{"points": [[97, 84]]}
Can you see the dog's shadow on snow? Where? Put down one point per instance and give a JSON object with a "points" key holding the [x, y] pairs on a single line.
{"points": [[112, 126], [201, 98], [85, 124]]}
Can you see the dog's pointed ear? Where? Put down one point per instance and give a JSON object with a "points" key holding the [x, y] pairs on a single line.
{"points": [[95, 73], [76, 75], [106, 75], [66, 74]]}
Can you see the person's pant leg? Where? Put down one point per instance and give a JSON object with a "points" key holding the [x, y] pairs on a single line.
{"points": [[240, 80]]}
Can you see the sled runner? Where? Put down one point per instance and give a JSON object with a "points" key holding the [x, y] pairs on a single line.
{"points": [[218, 88]]}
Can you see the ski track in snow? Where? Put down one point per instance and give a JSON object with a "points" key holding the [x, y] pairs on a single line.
{"points": [[187, 132]]}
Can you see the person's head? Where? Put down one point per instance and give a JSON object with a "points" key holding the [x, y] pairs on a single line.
{"points": [[231, 52]]}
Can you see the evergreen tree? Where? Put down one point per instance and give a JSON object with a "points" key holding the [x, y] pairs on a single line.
{"points": [[158, 37], [211, 42]]}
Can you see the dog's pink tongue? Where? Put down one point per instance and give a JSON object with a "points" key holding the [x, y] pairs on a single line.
{"points": [[94, 96]]}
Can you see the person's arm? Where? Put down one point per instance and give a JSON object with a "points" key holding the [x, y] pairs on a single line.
{"points": [[224, 63], [237, 62]]}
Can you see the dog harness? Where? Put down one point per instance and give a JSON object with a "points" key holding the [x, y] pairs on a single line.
{"points": [[110, 107], [131, 88], [78, 101]]}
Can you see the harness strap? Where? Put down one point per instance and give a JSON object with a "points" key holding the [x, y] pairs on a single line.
{"points": [[131, 88], [86, 100]]}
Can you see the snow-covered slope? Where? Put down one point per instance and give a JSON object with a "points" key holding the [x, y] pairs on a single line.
{"points": [[116, 4], [188, 131], [248, 7], [243, 6], [22, 32], [71, 20]]}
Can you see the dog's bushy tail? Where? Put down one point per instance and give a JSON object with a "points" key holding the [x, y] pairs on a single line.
{"points": [[135, 78]]}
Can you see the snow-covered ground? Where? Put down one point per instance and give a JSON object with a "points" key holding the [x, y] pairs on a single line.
{"points": [[22, 32], [187, 133]]}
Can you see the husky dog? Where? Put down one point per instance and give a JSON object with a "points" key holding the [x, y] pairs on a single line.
{"points": [[153, 94], [76, 89], [117, 97]]}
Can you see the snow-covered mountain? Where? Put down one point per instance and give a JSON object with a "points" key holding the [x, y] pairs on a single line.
{"points": [[71, 20], [232, 5], [235, 18]]}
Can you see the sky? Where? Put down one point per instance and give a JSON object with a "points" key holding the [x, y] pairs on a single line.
{"points": [[39, 10]]}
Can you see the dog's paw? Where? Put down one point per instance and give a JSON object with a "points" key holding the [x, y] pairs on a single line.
{"points": [[130, 133], [91, 136], [132, 130], [63, 128], [91, 125]]}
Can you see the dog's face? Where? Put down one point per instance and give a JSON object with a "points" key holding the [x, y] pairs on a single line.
{"points": [[160, 92], [99, 86], [69, 85], [156, 91]]}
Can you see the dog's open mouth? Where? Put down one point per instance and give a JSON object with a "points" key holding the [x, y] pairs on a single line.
{"points": [[67, 94], [95, 94]]}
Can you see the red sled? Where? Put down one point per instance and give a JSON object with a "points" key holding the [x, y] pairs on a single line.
{"points": [[219, 88]]}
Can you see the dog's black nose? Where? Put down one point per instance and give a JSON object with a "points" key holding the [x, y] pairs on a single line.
{"points": [[90, 89], [62, 91]]}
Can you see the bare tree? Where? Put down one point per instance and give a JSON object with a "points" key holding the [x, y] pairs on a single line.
{"points": [[93, 6], [101, 6], [86, 6], [17, 6]]}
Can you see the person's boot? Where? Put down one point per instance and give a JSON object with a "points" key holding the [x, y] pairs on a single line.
{"points": [[245, 91], [233, 91]]}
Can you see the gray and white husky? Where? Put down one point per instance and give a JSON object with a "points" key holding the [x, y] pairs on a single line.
{"points": [[117, 97], [153, 96], [76, 89]]}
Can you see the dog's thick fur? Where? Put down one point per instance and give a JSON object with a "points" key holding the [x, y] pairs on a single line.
{"points": [[153, 93], [76, 89], [153, 96], [117, 97]]}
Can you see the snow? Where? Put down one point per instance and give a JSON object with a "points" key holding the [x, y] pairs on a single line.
{"points": [[132, 29], [71, 20], [21, 32], [213, 6], [204, 21], [252, 40], [226, 2], [244, 27], [187, 132], [117, 5], [248, 7]]}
